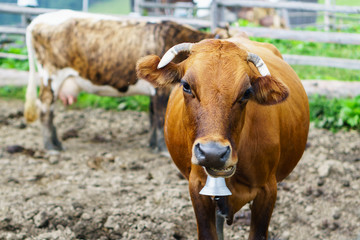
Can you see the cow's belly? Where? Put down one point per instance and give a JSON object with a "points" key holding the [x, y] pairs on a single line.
{"points": [[67, 83], [141, 87]]}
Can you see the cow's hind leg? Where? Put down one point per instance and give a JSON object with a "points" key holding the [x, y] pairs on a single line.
{"points": [[261, 211], [51, 141]]}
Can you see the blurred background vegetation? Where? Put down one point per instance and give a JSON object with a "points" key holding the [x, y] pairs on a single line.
{"points": [[331, 114]]}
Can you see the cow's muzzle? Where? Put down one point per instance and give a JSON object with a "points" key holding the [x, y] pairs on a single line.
{"points": [[215, 158]]}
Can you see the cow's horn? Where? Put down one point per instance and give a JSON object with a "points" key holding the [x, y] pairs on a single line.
{"points": [[259, 63], [172, 52]]}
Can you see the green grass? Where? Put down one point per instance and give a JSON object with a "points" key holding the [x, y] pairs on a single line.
{"points": [[344, 2], [86, 100], [111, 7], [12, 63], [137, 103], [348, 2], [326, 73], [335, 114], [11, 92]]}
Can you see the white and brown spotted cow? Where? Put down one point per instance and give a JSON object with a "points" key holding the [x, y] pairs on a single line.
{"points": [[95, 53]]}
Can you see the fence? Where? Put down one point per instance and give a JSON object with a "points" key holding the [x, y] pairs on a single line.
{"points": [[28, 12], [327, 37], [217, 20], [25, 12]]}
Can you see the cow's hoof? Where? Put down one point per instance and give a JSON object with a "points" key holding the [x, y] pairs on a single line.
{"points": [[161, 146], [56, 147], [53, 152], [165, 154]]}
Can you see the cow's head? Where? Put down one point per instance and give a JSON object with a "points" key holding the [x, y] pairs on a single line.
{"points": [[218, 79]]}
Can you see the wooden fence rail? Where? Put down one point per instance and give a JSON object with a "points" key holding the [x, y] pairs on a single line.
{"points": [[12, 30], [322, 61], [307, 36], [185, 5], [13, 56], [12, 8]]}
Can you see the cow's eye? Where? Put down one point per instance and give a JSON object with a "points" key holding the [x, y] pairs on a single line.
{"points": [[186, 86], [247, 94]]}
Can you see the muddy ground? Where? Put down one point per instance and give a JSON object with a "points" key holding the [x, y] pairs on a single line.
{"points": [[109, 185]]}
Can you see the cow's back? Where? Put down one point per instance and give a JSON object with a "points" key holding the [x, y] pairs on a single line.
{"points": [[105, 49]]}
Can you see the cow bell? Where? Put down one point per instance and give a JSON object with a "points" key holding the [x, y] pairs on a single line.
{"points": [[215, 187]]}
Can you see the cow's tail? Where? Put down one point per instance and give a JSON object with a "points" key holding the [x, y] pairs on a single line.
{"points": [[30, 111]]}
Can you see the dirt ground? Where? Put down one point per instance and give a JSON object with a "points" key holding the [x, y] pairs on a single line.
{"points": [[109, 185]]}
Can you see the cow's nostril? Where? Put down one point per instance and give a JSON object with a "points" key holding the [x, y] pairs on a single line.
{"points": [[212, 154], [226, 153], [199, 153]]}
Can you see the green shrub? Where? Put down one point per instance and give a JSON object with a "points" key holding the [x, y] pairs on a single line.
{"points": [[335, 114], [13, 63], [326, 73], [9, 63], [137, 103], [12, 92]]}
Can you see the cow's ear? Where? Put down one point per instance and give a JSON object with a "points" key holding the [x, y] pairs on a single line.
{"points": [[268, 90], [147, 69]]}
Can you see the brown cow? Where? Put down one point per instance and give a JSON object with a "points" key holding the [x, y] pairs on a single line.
{"points": [[96, 53], [238, 111]]}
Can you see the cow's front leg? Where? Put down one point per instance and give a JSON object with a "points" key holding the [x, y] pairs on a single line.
{"points": [[204, 208], [220, 220], [158, 104], [261, 211], [51, 141]]}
